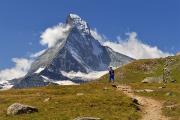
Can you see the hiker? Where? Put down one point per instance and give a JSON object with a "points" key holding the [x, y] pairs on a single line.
{"points": [[111, 75]]}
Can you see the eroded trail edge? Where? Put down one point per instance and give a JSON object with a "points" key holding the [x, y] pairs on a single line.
{"points": [[151, 109]]}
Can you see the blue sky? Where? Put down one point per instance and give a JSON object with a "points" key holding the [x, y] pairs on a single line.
{"points": [[157, 22]]}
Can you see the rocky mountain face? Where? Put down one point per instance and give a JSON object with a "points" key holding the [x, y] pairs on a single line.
{"points": [[79, 52]]}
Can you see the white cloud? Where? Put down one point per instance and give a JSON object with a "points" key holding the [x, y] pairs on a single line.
{"points": [[97, 36], [54, 34], [131, 46], [37, 54], [19, 70]]}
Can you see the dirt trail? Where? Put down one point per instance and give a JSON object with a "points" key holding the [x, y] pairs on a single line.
{"points": [[151, 108]]}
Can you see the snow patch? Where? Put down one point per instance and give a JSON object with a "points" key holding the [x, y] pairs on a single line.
{"points": [[35, 55], [46, 79], [39, 70], [86, 77], [66, 82], [60, 82]]}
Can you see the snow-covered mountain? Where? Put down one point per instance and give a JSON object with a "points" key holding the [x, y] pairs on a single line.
{"points": [[72, 59]]}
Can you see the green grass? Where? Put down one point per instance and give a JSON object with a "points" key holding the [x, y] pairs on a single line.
{"points": [[136, 71], [66, 105]]}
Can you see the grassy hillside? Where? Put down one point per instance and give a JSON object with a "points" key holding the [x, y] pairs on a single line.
{"points": [[136, 71], [69, 102]]}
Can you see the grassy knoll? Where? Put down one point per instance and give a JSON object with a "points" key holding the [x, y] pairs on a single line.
{"points": [[65, 104]]}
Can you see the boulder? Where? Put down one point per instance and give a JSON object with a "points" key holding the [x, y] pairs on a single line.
{"points": [[173, 80], [169, 94], [17, 108], [153, 80], [87, 118]]}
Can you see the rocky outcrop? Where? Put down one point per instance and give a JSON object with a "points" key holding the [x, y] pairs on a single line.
{"points": [[17, 108], [153, 80], [167, 71]]}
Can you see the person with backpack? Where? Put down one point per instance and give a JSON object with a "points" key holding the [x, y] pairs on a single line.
{"points": [[111, 75]]}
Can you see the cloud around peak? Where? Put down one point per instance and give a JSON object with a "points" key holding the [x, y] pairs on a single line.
{"points": [[131, 46], [54, 34]]}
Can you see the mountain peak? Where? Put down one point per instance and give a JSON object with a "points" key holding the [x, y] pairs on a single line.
{"points": [[76, 56], [76, 21]]}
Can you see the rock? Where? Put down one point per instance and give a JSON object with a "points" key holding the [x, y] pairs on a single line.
{"points": [[148, 90], [138, 91], [87, 118], [145, 90], [134, 100], [169, 94], [80, 94], [153, 80], [135, 104], [173, 80], [167, 75], [47, 99], [115, 86], [17, 108], [162, 87]]}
